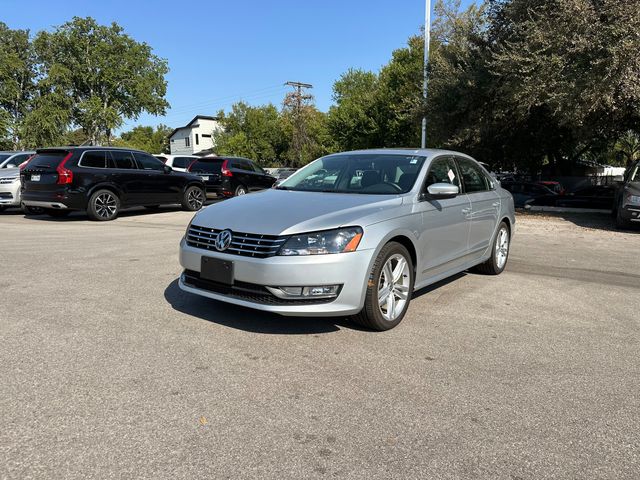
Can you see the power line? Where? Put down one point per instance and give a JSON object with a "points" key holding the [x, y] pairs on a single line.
{"points": [[296, 100]]}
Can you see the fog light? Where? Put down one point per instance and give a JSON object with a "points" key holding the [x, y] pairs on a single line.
{"points": [[320, 291]]}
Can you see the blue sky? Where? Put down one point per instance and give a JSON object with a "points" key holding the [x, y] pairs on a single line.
{"points": [[220, 52]]}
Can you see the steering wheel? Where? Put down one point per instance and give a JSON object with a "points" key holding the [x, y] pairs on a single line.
{"points": [[382, 186], [395, 186]]}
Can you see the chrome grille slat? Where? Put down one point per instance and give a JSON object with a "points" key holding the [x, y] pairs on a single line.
{"points": [[243, 244]]}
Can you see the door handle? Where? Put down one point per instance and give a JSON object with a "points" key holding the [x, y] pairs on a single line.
{"points": [[495, 204], [466, 211]]}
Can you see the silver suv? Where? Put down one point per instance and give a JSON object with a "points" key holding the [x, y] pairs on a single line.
{"points": [[351, 234]]}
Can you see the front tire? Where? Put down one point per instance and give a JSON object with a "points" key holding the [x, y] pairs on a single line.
{"points": [[389, 289], [193, 198], [104, 205], [496, 264]]}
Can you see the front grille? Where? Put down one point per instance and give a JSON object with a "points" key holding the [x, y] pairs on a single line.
{"points": [[7, 180], [249, 292], [245, 244]]}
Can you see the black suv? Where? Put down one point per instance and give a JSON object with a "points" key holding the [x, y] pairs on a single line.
{"points": [[231, 176], [102, 180]]}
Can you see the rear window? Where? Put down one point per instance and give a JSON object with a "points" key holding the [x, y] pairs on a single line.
{"points": [[94, 159], [123, 159], [209, 166], [47, 159]]}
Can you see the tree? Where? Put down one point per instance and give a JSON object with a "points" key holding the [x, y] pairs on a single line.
{"points": [[17, 84], [254, 132], [147, 139], [101, 74]]}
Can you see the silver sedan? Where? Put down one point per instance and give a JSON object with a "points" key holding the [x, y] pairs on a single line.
{"points": [[352, 234]]}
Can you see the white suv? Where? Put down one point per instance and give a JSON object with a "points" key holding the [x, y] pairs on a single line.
{"points": [[179, 163]]}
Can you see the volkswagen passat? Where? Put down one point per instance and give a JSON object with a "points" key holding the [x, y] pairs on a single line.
{"points": [[351, 234]]}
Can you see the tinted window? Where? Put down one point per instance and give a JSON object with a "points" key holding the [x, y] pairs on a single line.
{"points": [[94, 159], [241, 165], [443, 170], [18, 159], [209, 166], [161, 158], [258, 169], [123, 159], [147, 162], [47, 160], [473, 177], [182, 162]]}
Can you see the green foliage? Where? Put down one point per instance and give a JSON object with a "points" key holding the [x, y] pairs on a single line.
{"points": [[81, 75], [107, 75], [147, 139]]}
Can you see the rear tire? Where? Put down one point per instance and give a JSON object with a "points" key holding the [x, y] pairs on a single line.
{"points": [[104, 205], [52, 212], [496, 264], [241, 190], [389, 289], [193, 198]]}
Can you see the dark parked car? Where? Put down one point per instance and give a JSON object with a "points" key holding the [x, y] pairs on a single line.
{"points": [[627, 199], [527, 193], [231, 176], [103, 180], [594, 196]]}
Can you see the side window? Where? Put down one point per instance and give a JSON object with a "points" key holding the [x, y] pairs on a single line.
{"points": [[442, 170], [473, 177], [123, 159], [182, 162], [257, 169], [187, 143], [242, 165], [147, 162], [94, 159]]}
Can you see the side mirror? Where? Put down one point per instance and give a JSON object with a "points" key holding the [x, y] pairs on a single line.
{"points": [[167, 169], [439, 191]]}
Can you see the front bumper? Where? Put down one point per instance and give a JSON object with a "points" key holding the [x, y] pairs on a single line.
{"points": [[10, 194], [630, 213], [351, 270]]}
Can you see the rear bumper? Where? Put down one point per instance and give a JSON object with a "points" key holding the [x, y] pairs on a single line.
{"points": [[351, 270], [58, 200]]}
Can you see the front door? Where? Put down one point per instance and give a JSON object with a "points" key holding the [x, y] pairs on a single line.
{"points": [[445, 233], [485, 205], [158, 186]]}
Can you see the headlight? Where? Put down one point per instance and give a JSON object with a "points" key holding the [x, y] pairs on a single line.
{"points": [[633, 199], [320, 243]]}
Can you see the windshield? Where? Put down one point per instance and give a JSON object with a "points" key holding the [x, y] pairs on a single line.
{"points": [[3, 157], [375, 174], [209, 166]]}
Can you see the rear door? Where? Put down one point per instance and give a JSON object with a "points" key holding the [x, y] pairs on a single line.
{"points": [[446, 222], [125, 174], [263, 179], [485, 204], [245, 174]]}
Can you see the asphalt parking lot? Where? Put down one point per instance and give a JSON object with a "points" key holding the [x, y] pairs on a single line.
{"points": [[108, 370]]}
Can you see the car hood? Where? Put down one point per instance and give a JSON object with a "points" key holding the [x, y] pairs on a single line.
{"points": [[282, 212], [9, 172]]}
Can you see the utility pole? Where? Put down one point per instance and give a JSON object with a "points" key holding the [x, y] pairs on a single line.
{"points": [[295, 100], [427, 38]]}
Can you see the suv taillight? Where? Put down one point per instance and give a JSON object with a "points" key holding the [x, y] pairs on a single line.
{"points": [[65, 176], [224, 170]]}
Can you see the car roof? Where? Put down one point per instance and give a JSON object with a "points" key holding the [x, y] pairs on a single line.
{"points": [[87, 147], [423, 152]]}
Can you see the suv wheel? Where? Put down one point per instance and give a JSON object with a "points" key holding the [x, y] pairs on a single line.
{"points": [[389, 289], [103, 205], [241, 190], [193, 198]]}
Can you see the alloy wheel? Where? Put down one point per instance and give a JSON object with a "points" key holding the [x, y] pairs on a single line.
{"points": [[105, 205], [393, 287], [195, 198], [502, 247]]}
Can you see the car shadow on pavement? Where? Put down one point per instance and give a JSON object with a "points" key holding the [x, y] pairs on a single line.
{"points": [[250, 320], [596, 221], [437, 285]]}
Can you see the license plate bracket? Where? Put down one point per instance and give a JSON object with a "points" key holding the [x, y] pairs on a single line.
{"points": [[216, 270]]}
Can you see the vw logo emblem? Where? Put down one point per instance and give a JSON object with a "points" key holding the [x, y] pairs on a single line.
{"points": [[223, 240]]}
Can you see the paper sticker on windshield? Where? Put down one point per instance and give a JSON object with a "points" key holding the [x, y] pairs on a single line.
{"points": [[413, 161], [451, 175]]}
